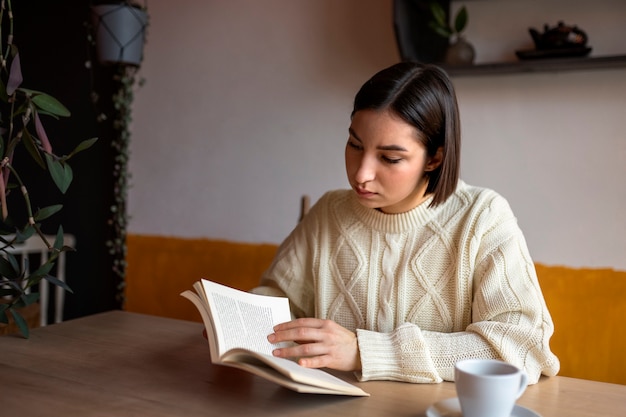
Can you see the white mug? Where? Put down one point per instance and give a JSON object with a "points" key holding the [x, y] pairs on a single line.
{"points": [[488, 388]]}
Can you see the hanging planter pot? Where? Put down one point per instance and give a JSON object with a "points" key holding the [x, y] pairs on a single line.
{"points": [[120, 30]]}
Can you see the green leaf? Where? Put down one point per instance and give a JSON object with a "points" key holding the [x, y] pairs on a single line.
{"points": [[47, 103], [21, 323], [82, 146], [60, 172], [30, 298], [44, 213], [438, 14], [58, 283], [461, 20], [8, 269], [42, 271], [19, 302], [24, 234], [31, 147], [58, 240]]}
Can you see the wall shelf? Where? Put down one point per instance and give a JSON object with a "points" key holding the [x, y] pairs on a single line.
{"points": [[539, 65], [417, 42]]}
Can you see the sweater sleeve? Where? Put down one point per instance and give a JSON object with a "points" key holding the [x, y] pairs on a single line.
{"points": [[510, 320]]}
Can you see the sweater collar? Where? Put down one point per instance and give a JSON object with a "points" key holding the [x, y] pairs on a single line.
{"points": [[393, 223]]}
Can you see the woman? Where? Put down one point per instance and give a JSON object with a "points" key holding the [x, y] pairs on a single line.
{"points": [[412, 269]]}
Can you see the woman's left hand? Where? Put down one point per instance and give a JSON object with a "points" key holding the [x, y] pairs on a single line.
{"points": [[320, 344]]}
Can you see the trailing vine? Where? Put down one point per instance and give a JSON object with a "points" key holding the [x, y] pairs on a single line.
{"points": [[118, 220]]}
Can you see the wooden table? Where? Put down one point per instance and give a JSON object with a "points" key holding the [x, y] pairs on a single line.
{"points": [[126, 364]]}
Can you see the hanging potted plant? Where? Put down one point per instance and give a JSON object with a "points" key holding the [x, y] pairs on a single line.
{"points": [[22, 115], [119, 34], [459, 51]]}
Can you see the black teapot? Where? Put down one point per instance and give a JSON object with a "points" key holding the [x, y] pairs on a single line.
{"points": [[559, 37]]}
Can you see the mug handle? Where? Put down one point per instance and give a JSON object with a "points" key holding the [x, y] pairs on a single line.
{"points": [[523, 384]]}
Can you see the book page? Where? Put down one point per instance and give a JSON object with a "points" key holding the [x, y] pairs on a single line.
{"points": [[244, 320], [315, 380], [201, 305]]}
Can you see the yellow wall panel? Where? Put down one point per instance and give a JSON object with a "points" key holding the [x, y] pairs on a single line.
{"points": [[160, 268], [588, 305]]}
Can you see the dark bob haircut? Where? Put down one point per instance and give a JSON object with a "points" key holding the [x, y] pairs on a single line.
{"points": [[423, 96]]}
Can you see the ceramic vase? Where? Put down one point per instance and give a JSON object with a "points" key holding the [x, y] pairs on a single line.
{"points": [[460, 52]]}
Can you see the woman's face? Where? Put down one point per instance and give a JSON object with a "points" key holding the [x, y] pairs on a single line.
{"points": [[385, 162]]}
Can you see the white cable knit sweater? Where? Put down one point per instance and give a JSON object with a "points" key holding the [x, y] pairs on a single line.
{"points": [[422, 289]]}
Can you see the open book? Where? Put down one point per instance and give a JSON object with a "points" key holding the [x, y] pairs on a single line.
{"points": [[237, 325]]}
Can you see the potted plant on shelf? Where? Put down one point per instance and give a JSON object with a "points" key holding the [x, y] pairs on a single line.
{"points": [[459, 51], [22, 134]]}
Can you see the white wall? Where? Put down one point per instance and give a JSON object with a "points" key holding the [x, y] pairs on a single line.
{"points": [[246, 107]]}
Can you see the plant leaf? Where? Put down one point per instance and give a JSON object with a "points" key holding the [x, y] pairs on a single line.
{"points": [[15, 75], [82, 146], [58, 283], [461, 20], [47, 103], [41, 133], [438, 14], [30, 298], [60, 172], [44, 213], [42, 271], [24, 234], [21, 323], [31, 147], [8, 269], [58, 239]]}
